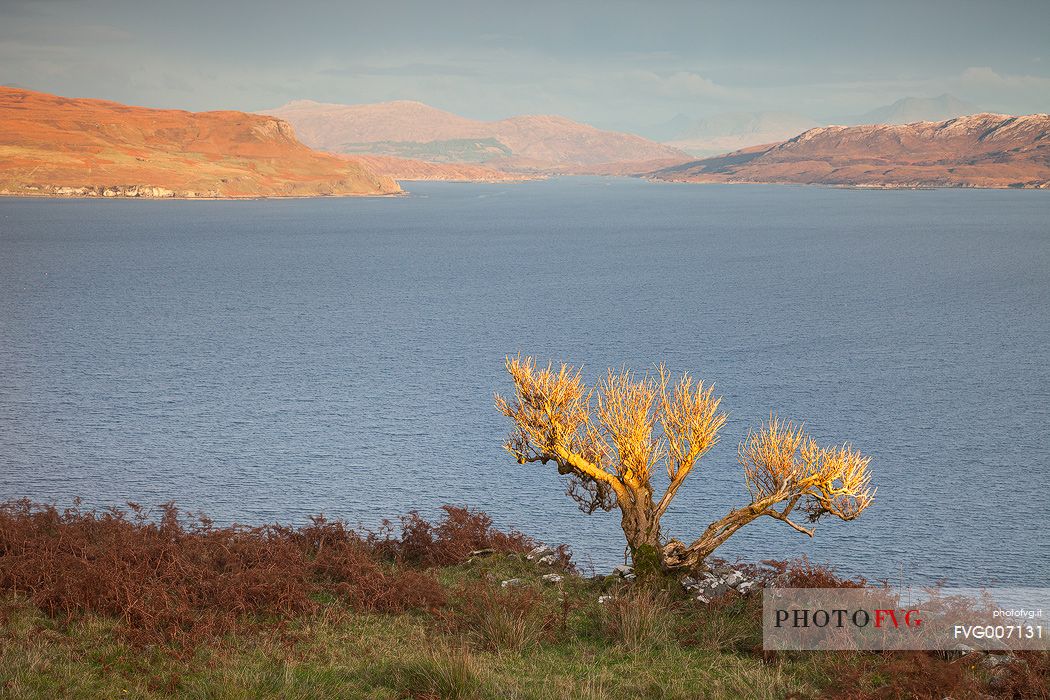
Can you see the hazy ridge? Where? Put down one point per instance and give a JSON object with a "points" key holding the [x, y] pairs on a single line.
{"points": [[534, 143]]}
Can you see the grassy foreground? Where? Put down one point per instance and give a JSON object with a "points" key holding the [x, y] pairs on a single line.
{"points": [[452, 631], [344, 654]]}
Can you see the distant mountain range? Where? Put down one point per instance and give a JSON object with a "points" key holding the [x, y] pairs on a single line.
{"points": [[731, 131], [59, 146], [981, 150], [909, 110], [535, 144]]}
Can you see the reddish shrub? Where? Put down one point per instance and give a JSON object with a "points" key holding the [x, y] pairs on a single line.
{"points": [[343, 562], [802, 573], [179, 580], [460, 532], [929, 675], [1027, 679], [906, 676], [161, 579]]}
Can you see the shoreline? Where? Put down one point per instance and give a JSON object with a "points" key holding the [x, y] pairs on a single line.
{"points": [[407, 193], [29, 195], [846, 186]]}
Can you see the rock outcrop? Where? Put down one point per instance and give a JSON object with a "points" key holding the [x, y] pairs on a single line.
{"points": [[981, 150], [711, 582], [62, 147]]}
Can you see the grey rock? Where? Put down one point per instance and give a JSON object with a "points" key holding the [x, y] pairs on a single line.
{"points": [[512, 582], [548, 559], [733, 578], [746, 587], [552, 578], [603, 599], [707, 582], [623, 570], [715, 590], [541, 551], [702, 599], [996, 660]]}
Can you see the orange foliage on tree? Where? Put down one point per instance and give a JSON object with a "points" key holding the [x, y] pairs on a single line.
{"points": [[611, 439]]}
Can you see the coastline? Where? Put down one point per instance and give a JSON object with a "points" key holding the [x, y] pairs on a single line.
{"points": [[406, 193], [186, 198], [849, 186]]}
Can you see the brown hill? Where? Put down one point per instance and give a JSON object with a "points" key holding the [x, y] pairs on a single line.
{"points": [[981, 150], [79, 147], [418, 131]]}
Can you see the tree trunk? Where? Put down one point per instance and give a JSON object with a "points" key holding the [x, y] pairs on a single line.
{"points": [[676, 556], [640, 527]]}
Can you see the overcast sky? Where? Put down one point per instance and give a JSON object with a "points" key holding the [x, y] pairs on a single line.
{"points": [[609, 63]]}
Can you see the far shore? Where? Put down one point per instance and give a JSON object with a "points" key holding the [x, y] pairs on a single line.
{"points": [[50, 195], [532, 178]]}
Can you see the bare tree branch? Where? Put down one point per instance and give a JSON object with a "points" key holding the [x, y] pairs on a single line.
{"points": [[610, 450]]}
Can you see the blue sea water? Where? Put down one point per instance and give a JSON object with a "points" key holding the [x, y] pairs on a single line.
{"points": [[268, 360]]}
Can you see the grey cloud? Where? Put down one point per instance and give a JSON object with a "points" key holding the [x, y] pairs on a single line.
{"points": [[612, 63]]}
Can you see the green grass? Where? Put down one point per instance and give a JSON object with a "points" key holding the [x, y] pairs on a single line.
{"points": [[337, 654], [677, 649]]}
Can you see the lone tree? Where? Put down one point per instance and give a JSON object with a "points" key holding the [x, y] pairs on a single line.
{"points": [[610, 439]]}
